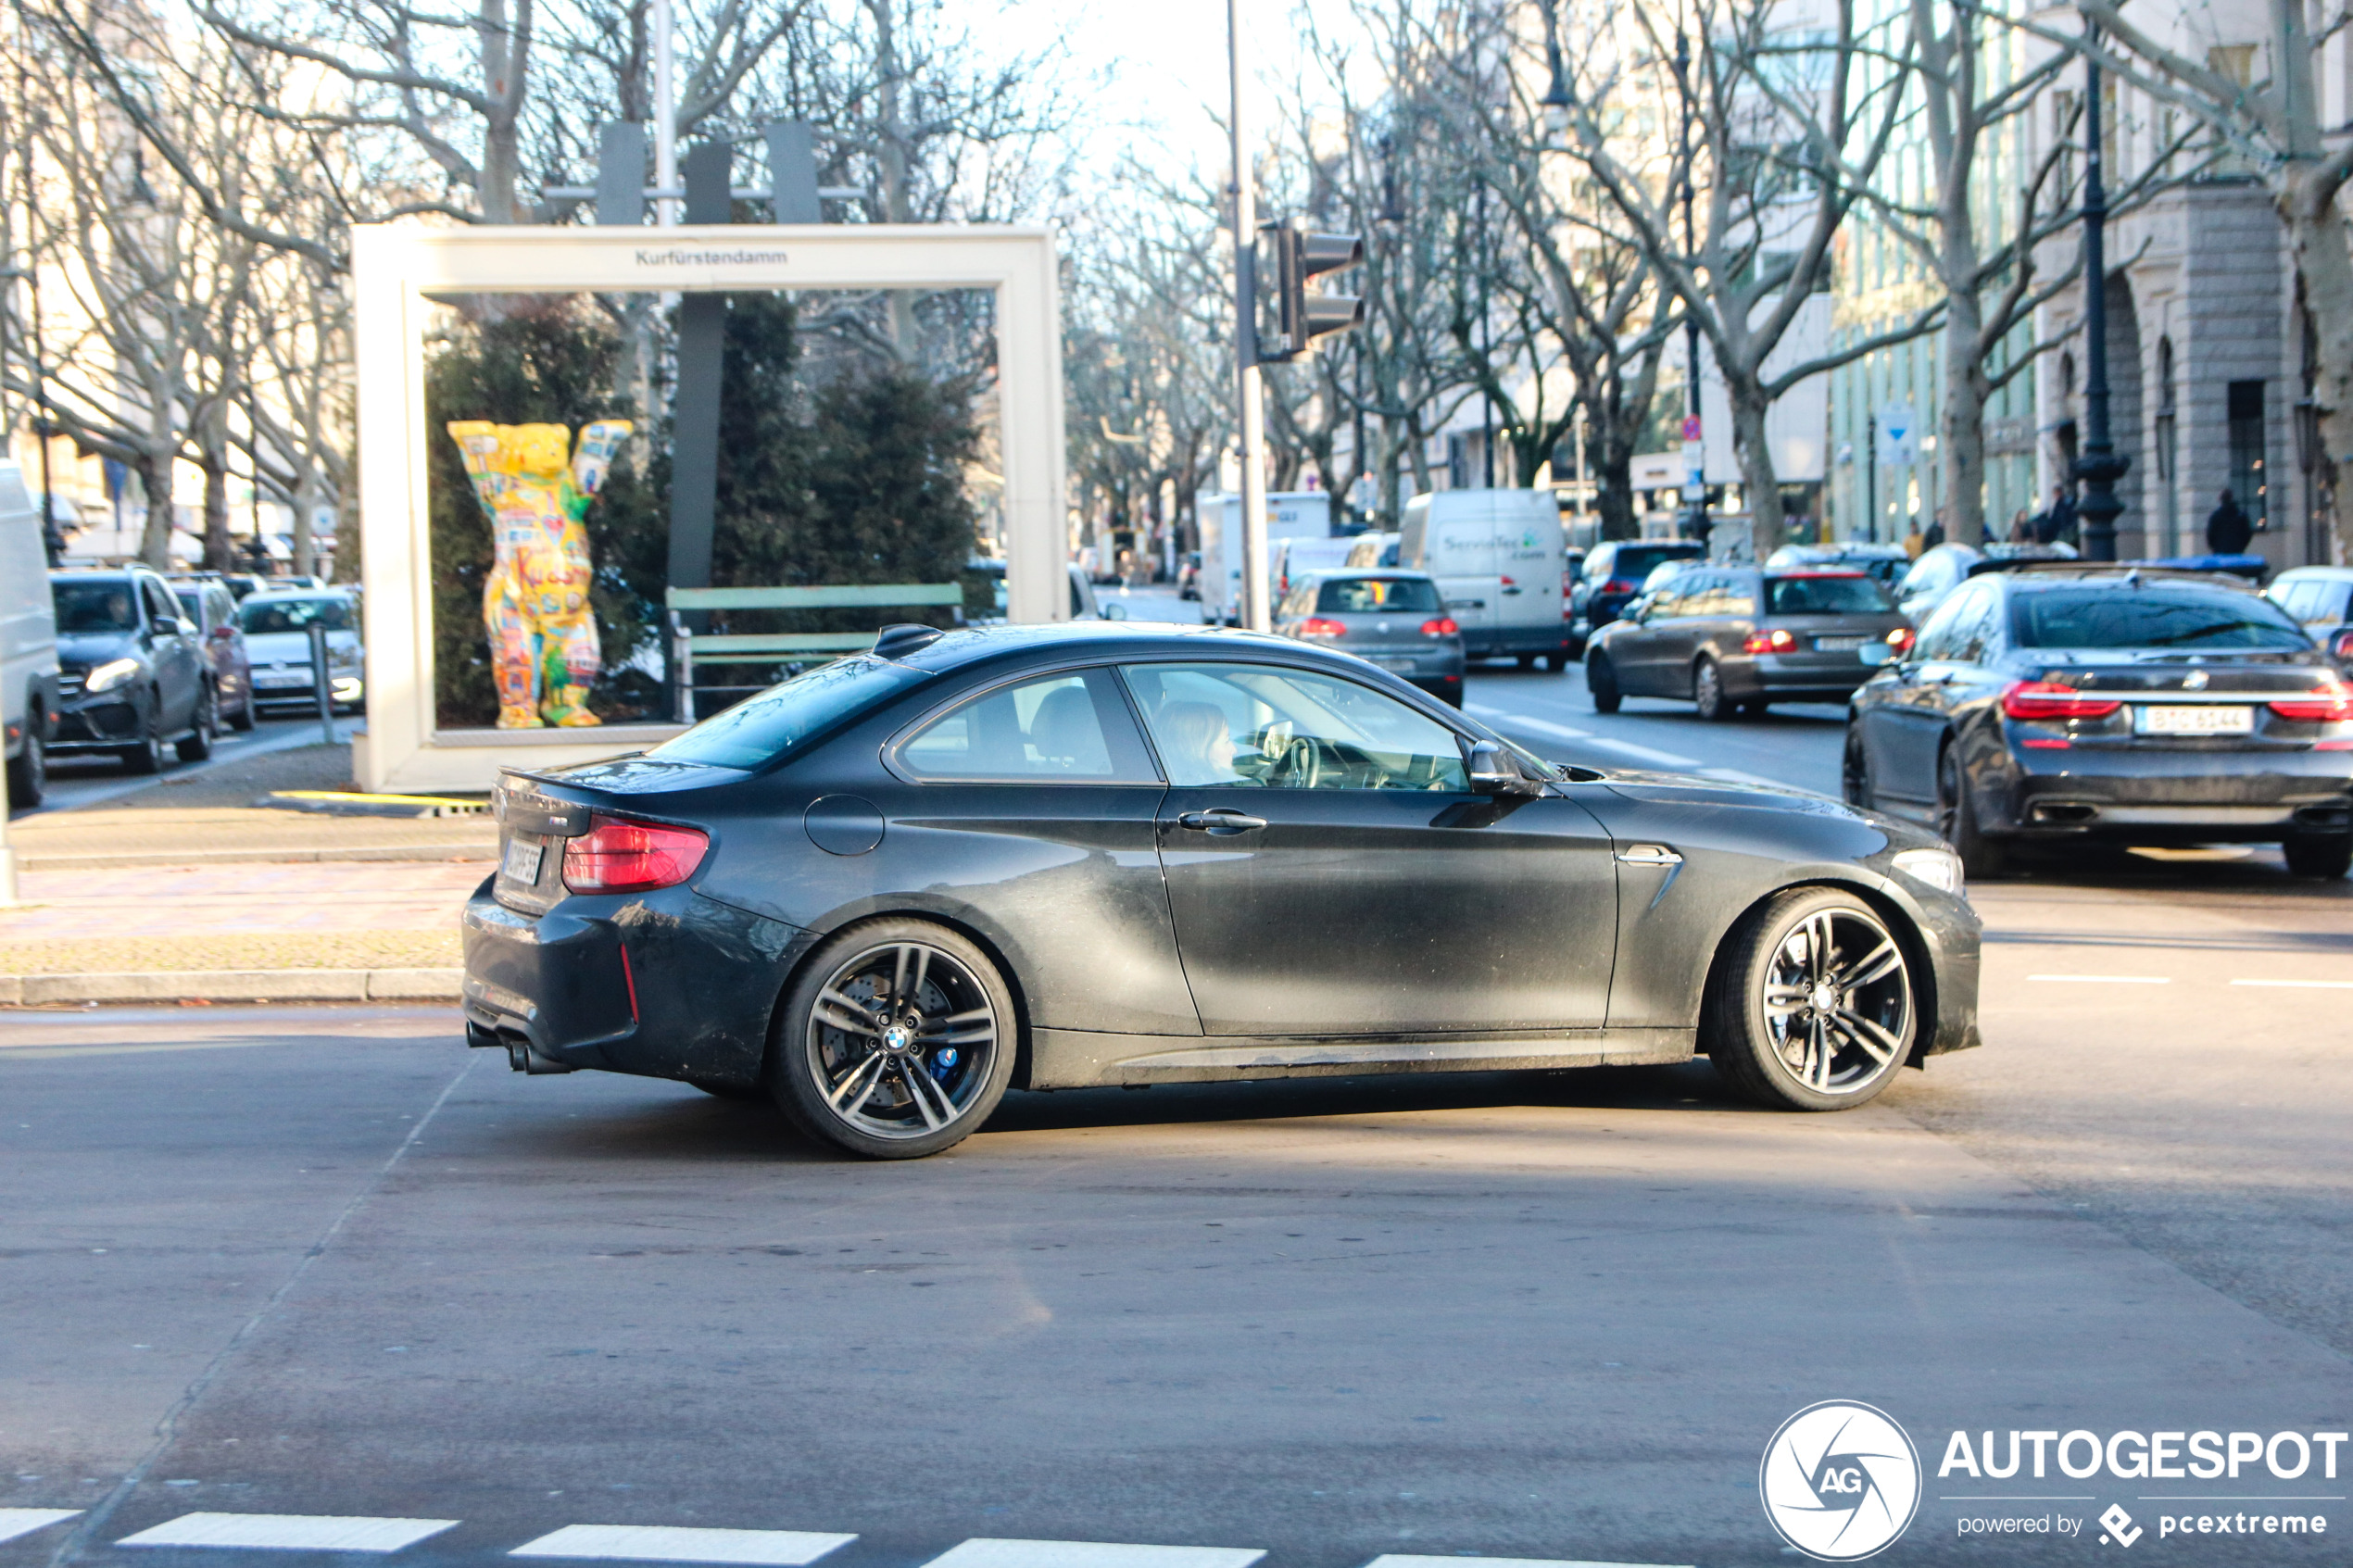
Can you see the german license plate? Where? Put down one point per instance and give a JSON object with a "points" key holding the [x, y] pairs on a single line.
{"points": [[521, 863], [1838, 645], [276, 679], [2185, 719], [1405, 664]]}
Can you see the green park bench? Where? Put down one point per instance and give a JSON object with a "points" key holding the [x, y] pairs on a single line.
{"points": [[689, 648]]}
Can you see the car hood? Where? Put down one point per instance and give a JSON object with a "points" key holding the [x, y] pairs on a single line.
{"points": [[78, 651], [293, 648], [1683, 789]]}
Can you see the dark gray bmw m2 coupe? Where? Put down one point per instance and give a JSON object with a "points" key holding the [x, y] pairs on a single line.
{"points": [[1055, 857]]}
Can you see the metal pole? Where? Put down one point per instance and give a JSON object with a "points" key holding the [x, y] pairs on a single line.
{"points": [[665, 117], [318, 686], [1257, 611], [2099, 467], [1870, 480], [1694, 486]]}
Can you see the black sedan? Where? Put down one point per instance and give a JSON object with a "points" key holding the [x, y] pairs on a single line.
{"points": [[1057, 856], [1728, 638], [2055, 702]]}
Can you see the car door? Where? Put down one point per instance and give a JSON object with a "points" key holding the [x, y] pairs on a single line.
{"points": [[1905, 731], [1670, 624], [1330, 872], [179, 657]]}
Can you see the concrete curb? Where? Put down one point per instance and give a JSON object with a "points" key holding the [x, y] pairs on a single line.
{"points": [[243, 857], [235, 985]]}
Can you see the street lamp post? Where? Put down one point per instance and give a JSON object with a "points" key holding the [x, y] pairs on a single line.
{"points": [[1694, 524], [2100, 466], [1257, 609]]}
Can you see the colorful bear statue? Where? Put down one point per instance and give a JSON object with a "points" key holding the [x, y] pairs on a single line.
{"points": [[543, 634]]}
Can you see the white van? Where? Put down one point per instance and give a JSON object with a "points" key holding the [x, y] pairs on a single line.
{"points": [[1290, 514], [1500, 559], [28, 641]]}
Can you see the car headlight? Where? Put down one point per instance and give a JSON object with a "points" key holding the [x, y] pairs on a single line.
{"points": [[111, 674], [1938, 867]]}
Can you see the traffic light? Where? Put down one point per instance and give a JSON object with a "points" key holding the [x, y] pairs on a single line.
{"points": [[1305, 317]]}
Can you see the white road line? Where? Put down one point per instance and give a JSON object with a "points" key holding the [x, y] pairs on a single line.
{"points": [[1541, 726], [671, 1543], [290, 1531], [985, 1553], [2105, 979], [1645, 753], [1393, 1560], [15, 1522], [2301, 984], [1563, 732]]}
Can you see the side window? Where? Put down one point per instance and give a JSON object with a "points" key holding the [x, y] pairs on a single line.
{"points": [[1942, 633], [1259, 726], [1063, 729], [1973, 632], [1739, 597], [161, 606]]}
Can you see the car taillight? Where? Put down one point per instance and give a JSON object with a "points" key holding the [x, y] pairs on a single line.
{"points": [[1619, 585], [619, 855], [1902, 639], [2341, 646], [2048, 699], [1316, 626], [1776, 641], [2331, 702], [1443, 627]]}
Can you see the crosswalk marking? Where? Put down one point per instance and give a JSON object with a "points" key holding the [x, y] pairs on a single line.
{"points": [[15, 1522], [1393, 1560], [290, 1531], [986, 1553], [672, 1543]]}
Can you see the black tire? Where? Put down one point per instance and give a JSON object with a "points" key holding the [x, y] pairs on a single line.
{"points": [[145, 754], [895, 975], [1526, 660], [1601, 685], [2326, 856], [243, 720], [1708, 692], [743, 1094], [1957, 822], [1556, 663], [1854, 771], [29, 770], [1811, 1005], [198, 744]]}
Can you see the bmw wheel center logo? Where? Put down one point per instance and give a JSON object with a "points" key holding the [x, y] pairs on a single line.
{"points": [[1839, 1481]]}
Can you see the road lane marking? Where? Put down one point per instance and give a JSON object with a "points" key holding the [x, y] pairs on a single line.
{"points": [[290, 1531], [986, 1553], [671, 1543], [1393, 1560], [1563, 732], [2301, 984], [1541, 726], [1645, 753], [15, 1522], [2105, 979]]}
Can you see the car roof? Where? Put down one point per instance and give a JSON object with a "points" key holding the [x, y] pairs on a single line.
{"points": [[1335, 574], [297, 594], [2309, 573], [2035, 576], [970, 646]]}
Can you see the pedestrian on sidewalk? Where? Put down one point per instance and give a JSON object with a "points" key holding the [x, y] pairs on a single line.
{"points": [[2228, 530]]}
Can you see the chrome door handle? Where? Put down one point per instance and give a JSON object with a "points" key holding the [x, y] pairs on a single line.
{"points": [[1220, 819], [1649, 855]]}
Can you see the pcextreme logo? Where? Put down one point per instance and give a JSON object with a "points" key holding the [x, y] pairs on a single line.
{"points": [[1839, 1481]]}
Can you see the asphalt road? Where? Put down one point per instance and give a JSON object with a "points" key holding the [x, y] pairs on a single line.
{"points": [[84, 779], [320, 1262]]}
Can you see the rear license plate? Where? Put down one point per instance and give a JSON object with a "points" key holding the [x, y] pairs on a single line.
{"points": [[1838, 645], [2183, 718], [521, 864], [1394, 663], [276, 679]]}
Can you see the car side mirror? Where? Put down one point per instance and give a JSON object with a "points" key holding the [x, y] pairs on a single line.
{"points": [[1114, 613], [1495, 771]]}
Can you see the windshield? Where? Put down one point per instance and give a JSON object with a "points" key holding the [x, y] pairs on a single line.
{"points": [[2151, 618], [260, 617], [1824, 595], [95, 606], [1396, 596], [1635, 562], [782, 716]]}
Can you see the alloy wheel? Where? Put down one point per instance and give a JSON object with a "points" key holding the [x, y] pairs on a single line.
{"points": [[902, 1041], [1837, 1000]]}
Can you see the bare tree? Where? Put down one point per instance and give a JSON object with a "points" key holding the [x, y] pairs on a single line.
{"points": [[1793, 116]]}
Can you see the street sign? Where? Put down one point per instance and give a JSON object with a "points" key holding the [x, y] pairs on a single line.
{"points": [[1690, 428], [1899, 436]]}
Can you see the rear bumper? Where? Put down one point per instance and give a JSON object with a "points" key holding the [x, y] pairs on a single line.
{"points": [[2197, 796], [665, 985], [1504, 641], [1793, 677]]}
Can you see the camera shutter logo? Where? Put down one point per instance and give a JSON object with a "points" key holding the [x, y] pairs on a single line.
{"points": [[1839, 1481]]}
